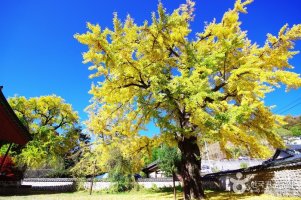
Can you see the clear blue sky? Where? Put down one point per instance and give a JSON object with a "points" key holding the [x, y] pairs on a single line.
{"points": [[39, 56]]}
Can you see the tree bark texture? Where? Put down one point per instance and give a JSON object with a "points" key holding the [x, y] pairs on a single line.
{"points": [[190, 169]]}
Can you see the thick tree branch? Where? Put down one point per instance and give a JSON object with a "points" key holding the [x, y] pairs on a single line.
{"points": [[135, 84], [62, 122], [224, 66], [210, 100]]}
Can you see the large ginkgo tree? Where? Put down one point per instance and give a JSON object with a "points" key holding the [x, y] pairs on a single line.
{"points": [[209, 86], [53, 125]]}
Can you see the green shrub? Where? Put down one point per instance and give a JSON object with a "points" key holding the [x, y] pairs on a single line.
{"points": [[59, 173], [143, 175], [215, 169], [154, 188], [80, 184], [120, 182], [244, 165]]}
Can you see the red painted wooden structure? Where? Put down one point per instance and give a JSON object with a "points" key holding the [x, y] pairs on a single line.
{"points": [[11, 128]]}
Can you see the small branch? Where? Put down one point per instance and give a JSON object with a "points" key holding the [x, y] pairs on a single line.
{"points": [[173, 52], [218, 87], [203, 38]]}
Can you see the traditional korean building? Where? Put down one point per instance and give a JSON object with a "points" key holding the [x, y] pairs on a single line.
{"points": [[12, 131]]}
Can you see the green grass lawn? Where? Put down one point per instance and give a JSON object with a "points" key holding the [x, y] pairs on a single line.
{"points": [[143, 195]]}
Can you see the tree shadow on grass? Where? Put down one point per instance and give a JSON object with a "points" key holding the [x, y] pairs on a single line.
{"points": [[166, 192], [228, 195], [167, 189], [211, 195], [24, 191]]}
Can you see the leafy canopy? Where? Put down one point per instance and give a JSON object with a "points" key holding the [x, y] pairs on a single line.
{"points": [[211, 86], [53, 125]]}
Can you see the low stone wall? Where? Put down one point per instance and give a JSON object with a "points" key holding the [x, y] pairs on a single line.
{"points": [[63, 184], [69, 184], [145, 182], [222, 165], [159, 182], [50, 184], [97, 185], [282, 180], [41, 182], [10, 183], [30, 186]]}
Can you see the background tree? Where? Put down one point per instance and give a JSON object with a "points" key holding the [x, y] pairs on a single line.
{"points": [[120, 171], [118, 157], [296, 131], [212, 85], [169, 160], [53, 125], [292, 121], [76, 152], [292, 127], [84, 166]]}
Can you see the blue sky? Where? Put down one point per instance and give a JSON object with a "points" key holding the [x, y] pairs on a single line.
{"points": [[39, 56]]}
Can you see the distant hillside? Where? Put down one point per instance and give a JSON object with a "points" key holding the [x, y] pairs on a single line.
{"points": [[292, 128]]}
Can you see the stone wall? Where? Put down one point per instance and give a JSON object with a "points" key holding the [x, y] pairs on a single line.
{"points": [[39, 186], [97, 185], [222, 165], [145, 182], [159, 182], [283, 180], [68, 184], [39, 182]]}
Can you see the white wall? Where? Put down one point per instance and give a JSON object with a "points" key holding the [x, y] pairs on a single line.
{"points": [[158, 184], [97, 185], [46, 183], [147, 183], [223, 165]]}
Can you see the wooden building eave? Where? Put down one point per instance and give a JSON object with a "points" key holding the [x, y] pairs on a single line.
{"points": [[11, 128]]}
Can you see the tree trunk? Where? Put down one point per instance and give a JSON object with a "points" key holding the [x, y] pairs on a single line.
{"points": [[174, 185], [190, 169], [92, 178]]}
